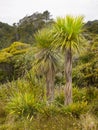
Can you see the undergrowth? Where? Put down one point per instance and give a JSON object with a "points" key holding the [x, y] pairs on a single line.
{"points": [[23, 104]]}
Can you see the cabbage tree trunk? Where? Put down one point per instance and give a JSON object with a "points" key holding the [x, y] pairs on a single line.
{"points": [[68, 76], [50, 85]]}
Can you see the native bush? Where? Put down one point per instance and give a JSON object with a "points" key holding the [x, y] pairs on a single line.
{"points": [[75, 109], [59, 100], [14, 61], [91, 94], [79, 95], [23, 105]]}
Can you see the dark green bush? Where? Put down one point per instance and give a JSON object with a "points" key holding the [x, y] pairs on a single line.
{"points": [[91, 94], [79, 95]]}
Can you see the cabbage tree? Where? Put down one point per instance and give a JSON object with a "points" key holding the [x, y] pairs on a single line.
{"points": [[68, 36], [47, 59]]}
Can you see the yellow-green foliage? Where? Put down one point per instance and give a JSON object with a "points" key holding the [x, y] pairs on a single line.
{"points": [[15, 49], [23, 99], [4, 56]]}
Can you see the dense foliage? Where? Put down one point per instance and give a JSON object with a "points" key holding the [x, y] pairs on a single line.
{"points": [[13, 62], [24, 30], [6, 35]]}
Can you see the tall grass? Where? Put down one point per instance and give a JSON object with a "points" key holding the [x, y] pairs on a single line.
{"points": [[23, 106]]}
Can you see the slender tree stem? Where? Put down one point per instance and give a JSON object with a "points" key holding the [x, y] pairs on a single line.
{"points": [[50, 85], [68, 76]]}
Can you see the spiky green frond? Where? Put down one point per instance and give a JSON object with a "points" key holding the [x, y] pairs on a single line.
{"points": [[46, 57], [67, 32], [43, 38]]}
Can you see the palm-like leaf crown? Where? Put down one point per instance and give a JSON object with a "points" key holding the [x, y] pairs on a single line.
{"points": [[43, 38], [45, 56], [67, 32]]}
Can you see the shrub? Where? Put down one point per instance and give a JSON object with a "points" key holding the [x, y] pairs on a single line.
{"points": [[92, 94], [23, 105], [59, 100], [14, 61], [79, 94], [75, 109], [50, 110]]}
